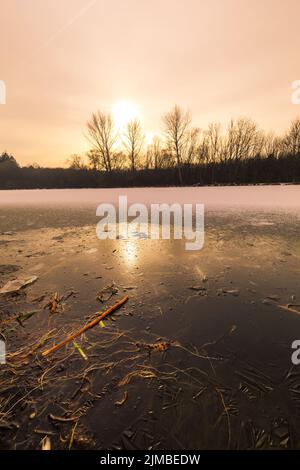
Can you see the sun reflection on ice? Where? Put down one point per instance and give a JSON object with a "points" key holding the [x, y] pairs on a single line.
{"points": [[130, 251], [132, 240]]}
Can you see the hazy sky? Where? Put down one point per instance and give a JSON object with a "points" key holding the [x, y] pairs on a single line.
{"points": [[63, 59]]}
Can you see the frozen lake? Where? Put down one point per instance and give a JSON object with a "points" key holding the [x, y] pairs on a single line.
{"points": [[221, 312], [245, 197]]}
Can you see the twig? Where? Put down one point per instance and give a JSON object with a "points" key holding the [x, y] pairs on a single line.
{"points": [[289, 308], [72, 435], [60, 419], [87, 327]]}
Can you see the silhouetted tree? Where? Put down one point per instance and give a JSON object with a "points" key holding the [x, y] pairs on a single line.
{"points": [[291, 141], [102, 136], [176, 127], [214, 142], [191, 146], [154, 155], [7, 160], [118, 159], [243, 140], [94, 159], [133, 141], [33, 165], [273, 146], [76, 162], [211, 146], [241, 155]]}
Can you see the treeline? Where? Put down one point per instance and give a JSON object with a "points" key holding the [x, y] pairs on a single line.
{"points": [[258, 170], [180, 144], [181, 154]]}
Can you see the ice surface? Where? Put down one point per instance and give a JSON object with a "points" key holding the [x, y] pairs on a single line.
{"points": [[245, 197]]}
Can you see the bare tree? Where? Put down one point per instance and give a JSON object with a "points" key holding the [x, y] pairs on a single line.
{"points": [[215, 141], [154, 155], [191, 146], [94, 159], [203, 149], [76, 162], [211, 144], [272, 145], [243, 140], [133, 141], [167, 159], [118, 160], [176, 127], [291, 140], [149, 160], [102, 136]]}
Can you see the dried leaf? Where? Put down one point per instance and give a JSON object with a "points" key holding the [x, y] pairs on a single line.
{"points": [[17, 284], [55, 302], [107, 292]]}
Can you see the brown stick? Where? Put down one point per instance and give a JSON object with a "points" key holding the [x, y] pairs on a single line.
{"points": [[87, 327], [289, 309]]}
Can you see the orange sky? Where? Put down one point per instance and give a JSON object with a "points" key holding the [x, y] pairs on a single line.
{"points": [[63, 59]]}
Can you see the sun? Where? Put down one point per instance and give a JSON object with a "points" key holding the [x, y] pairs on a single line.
{"points": [[124, 112]]}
